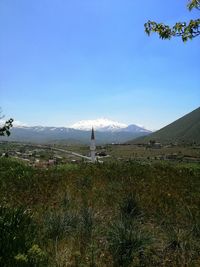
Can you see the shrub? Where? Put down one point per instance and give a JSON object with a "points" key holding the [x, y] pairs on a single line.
{"points": [[129, 208], [124, 242], [59, 224], [36, 256], [17, 234]]}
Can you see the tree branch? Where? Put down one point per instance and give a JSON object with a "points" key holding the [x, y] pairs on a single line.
{"points": [[180, 29], [5, 130]]}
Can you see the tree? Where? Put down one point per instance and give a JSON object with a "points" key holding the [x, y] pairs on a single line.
{"points": [[180, 29], [5, 129]]}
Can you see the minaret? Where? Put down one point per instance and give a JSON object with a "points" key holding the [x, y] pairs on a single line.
{"points": [[92, 147]]}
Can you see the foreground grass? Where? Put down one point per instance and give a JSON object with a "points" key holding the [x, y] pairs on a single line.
{"points": [[113, 214]]}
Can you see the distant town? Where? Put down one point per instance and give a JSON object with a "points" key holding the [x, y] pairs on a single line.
{"points": [[44, 156]]}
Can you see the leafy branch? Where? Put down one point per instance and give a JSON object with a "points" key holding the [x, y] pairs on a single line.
{"points": [[5, 130], [180, 29], [194, 4]]}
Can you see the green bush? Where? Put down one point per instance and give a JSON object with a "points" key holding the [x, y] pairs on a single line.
{"points": [[129, 208], [126, 241], [59, 224], [17, 236]]}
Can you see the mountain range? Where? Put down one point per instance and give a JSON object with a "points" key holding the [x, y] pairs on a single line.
{"points": [[184, 130], [106, 131]]}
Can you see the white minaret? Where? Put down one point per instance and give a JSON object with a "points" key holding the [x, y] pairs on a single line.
{"points": [[92, 147]]}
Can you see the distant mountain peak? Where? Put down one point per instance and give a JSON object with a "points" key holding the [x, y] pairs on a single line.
{"points": [[101, 124]]}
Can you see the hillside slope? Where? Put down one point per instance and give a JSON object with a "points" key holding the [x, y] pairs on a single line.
{"points": [[186, 129]]}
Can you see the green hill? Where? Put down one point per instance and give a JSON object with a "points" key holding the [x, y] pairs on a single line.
{"points": [[184, 130]]}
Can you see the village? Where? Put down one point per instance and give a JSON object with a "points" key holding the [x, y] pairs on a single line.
{"points": [[45, 156]]}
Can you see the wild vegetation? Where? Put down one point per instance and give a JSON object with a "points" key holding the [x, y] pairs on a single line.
{"points": [[110, 214]]}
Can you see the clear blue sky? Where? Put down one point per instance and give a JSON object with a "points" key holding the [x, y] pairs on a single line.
{"points": [[66, 60]]}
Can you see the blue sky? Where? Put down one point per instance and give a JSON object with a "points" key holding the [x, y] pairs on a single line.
{"points": [[66, 60]]}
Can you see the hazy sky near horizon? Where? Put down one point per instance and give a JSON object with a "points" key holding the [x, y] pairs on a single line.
{"points": [[62, 61]]}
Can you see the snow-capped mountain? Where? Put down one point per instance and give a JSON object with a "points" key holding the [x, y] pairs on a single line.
{"points": [[106, 131], [101, 124], [106, 125]]}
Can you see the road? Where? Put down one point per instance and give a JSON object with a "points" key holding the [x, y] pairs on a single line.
{"points": [[71, 153]]}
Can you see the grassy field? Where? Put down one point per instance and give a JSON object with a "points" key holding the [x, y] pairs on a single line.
{"points": [[135, 151], [111, 214]]}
